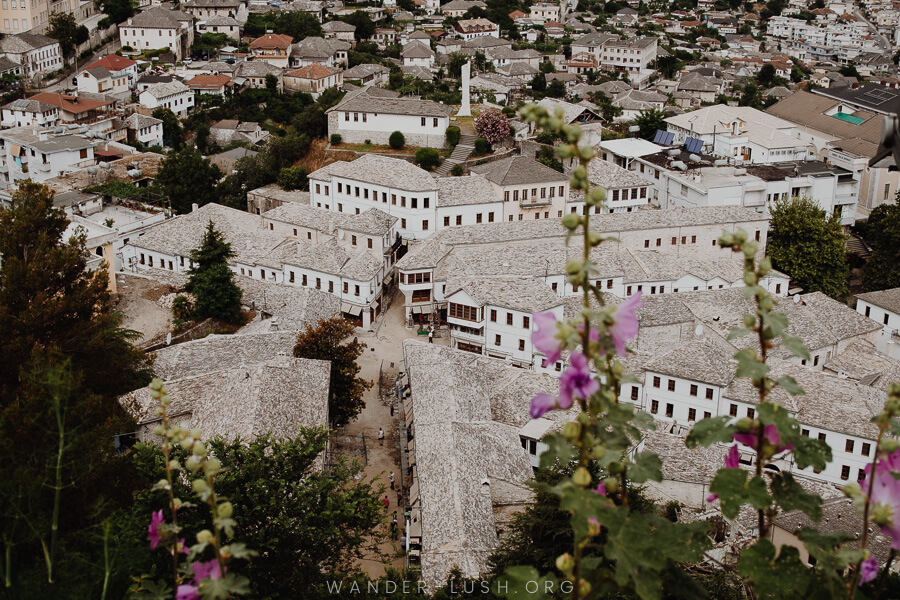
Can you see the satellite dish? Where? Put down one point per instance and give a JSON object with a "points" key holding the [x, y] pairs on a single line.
{"points": [[721, 162], [169, 339], [698, 330], [797, 299]]}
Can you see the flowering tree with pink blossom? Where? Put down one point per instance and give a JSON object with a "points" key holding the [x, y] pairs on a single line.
{"points": [[492, 125], [644, 554]]}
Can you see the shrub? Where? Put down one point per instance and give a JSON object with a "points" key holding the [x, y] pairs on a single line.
{"points": [[545, 137], [335, 139], [453, 134], [427, 158], [397, 141], [509, 111], [292, 178], [492, 125], [457, 170], [481, 146], [368, 142]]}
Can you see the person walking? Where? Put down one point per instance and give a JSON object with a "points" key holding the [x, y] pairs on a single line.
{"points": [[386, 502], [392, 408], [403, 543], [431, 335], [392, 479], [381, 436], [394, 526]]}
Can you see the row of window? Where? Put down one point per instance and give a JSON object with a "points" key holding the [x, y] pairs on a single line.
{"points": [[364, 193], [498, 342], [670, 385], [461, 311], [670, 411], [526, 321], [635, 194], [534, 193], [413, 278]]}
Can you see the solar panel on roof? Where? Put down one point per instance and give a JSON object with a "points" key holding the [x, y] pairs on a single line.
{"points": [[877, 97], [658, 138], [667, 139], [698, 146], [693, 145]]}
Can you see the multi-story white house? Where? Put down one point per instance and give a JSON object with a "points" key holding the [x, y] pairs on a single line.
{"points": [[348, 256], [175, 96], [741, 133], [625, 190], [541, 12], [204, 10], [26, 153], [110, 74], [529, 190], [220, 24], [362, 115], [340, 30], [144, 129], [26, 112], [309, 50], [37, 54], [273, 48], [469, 29], [158, 28], [417, 54]]}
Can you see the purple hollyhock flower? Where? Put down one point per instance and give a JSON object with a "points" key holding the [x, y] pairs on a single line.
{"points": [[541, 404], [770, 433], [625, 323], [187, 592], [886, 491], [593, 334], [209, 569], [601, 489], [544, 337], [576, 380], [733, 458], [868, 570], [156, 519], [712, 498]]}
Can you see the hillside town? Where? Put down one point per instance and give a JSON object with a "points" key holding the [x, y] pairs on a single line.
{"points": [[370, 169]]}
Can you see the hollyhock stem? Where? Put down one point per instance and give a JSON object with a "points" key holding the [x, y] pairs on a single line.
{"points": [[167, 452], [884, 573], [865, 532]]}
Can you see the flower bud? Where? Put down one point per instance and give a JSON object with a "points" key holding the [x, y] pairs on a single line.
{"points": [[225, 510], [852, 490], [195, 433], [205, 536], [594, 238], [187, 443], [213, 465], [571, 221], [611, 484], [882, 515], [744, 425], [565, 562], [192, 464], [584, 587], [889, 445], [582, 477], [573, 267], [593, 526], [200, 485], [174, 464], [159, 430], [750, 278], [199, 450], [749, 321], [597, 196], [571, 430]]}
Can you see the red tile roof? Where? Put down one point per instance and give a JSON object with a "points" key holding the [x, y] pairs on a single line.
{"points": [[70, 104], [112, 62], [208, 82], [312, 71], [272, 40]]}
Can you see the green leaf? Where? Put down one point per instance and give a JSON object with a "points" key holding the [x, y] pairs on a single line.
{"points": [[709, 431], [811, 453], [152, 590], [646, 467], [825, 547], [519, 582], [790, 385], [791, 496], [735, 489], [559, 451], [775, 578], [749, 366], [776, 323], [795, 345], [737, 332]]}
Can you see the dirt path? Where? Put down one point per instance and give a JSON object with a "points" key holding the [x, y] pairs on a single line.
{"points": [[137, 301], [385, 351]]}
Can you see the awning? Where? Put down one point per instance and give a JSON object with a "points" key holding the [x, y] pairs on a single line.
{"points": [[355, 310], [345, 307], [374, 305], [416, 310]]}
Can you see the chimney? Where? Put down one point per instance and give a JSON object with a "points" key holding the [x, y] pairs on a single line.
{"points": [[194, 207]]}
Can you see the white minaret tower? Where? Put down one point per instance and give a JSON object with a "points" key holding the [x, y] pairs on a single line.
{"points": [[465, 110]]}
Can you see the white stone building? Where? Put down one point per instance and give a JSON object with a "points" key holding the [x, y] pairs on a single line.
{"points": [[108, 75], [158, 28], [37, 54], [26, 153], [175, 96], [144, 129], [29, 113]]}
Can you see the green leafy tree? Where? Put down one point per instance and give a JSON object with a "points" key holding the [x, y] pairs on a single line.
{"points": [[766, 75], [308, 525], [327, 340], [186, 178], [882, 231], [173, 134], [453, 133], [292, 178], [271, 83], [751, 96], [65, 29], [117, 11], [211, 280], [63, 362], [649, 121], [397, 140], [365, 27], [556, 89], [455, 64], [539, 83], [808, 245], [428, 158]]}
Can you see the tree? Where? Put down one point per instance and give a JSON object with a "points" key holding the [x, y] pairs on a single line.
{"points": [[882, 231], [117, 11], [808, 245], [297, 24], [427, 158], [649, 122], [187, 178], [667, 65], [292, 178], [397, 140], [365, 27], [64, 361], [326, 341], [65, 29], [547, 156], [271, 83], [556, 89], [308, 525], [752, 96], [492, 125], [211, 280], [455, 64], [539, 82], [173, 135], [766, 75]]}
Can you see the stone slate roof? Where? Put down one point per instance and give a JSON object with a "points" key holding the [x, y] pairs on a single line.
{"points": [[338, 27], [139, 121], [703, 360], [24, 42], [519, 170], [417, 50], [160, 18], [887, 299], [379, 170], [363, 100], [316, 47], [29, 105], [524, 294], [459, 191], [219, 352], [273, 396], [163, 90]]}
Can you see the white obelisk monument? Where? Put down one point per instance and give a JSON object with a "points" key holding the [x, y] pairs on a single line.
{"points": [[465, 110]]}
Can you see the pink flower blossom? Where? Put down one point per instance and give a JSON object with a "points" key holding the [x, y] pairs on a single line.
{"points": [[886, 491], [733, 458], [544, 337], [868, 570], [576, 381], [541, 404], [153, 533], [770, 433], [601, 489], [625, 323], [209, 569], [187, 592], [593, 334], [712, 498]]}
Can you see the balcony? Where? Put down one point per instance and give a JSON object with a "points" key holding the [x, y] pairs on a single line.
{"points": [[533, 202], [43, 167]]}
